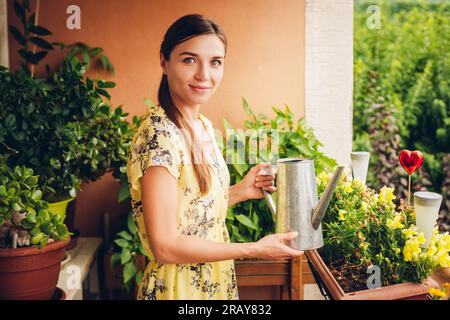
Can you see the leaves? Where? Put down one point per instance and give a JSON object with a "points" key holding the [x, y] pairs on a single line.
{"points": [[17, 35], [41, 43], [246, 221], [121, 243], [40, 31], [129, 271], [251, 220]]}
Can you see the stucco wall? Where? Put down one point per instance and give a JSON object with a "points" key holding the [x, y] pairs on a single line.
{"points": [[265, 61], [329, 74]]}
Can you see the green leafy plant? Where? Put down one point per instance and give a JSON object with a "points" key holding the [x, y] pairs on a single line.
{"points": [[404, 66], [129, 249], [31, 34], [362, 228], [25, 219], [61, 127], [252, 220], [86, 54]]}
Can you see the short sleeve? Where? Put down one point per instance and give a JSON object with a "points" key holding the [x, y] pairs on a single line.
{"points": [[155, 144]]}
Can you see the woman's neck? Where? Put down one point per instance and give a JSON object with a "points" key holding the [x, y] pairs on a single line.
{"points": [[189, 113]]}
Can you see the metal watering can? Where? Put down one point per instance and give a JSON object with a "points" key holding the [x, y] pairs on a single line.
{"points": [[298, 208]]}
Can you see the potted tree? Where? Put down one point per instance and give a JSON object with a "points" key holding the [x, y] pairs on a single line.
{"points": [[61, 126], [32, 237], [372, 247]]}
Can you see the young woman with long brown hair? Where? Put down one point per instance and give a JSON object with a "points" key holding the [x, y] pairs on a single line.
{"points": [[179, 181]]}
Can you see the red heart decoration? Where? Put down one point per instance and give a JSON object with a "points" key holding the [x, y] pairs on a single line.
{"points": [[410, 160]]}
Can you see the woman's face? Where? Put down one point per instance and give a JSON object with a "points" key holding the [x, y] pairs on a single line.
{"points": [[195, 69]]}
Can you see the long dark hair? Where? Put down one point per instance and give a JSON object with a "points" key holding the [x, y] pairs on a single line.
{"points": [[181, 30]]}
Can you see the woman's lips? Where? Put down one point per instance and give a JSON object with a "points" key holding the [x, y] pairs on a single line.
{"points": [[200, 88]]}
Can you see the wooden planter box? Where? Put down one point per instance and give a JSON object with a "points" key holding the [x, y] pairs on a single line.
{"points": [[402, 291], [272, 280]]}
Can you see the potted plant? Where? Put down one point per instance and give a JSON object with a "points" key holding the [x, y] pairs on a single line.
{"points": [[365, 233], [32, 237], [62, 127], [252, 220]]}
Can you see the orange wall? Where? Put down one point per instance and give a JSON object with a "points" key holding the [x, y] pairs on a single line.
{"points": [[264, 64]]}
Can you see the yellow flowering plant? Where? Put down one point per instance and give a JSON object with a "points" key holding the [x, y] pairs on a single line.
{"points": [[363, 227]]}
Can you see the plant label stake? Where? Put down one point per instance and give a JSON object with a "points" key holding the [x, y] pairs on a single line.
{"points": [[410, 161]]}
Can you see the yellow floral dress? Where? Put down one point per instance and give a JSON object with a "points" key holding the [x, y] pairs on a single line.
{"points": [[158, 142]]}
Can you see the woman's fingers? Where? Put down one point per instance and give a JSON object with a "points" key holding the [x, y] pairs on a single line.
{"points": [[265, 178], [287, 235], [270, 189], [293, 252], [264, 184]]}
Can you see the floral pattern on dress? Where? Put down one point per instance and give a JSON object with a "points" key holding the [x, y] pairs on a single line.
{"points": [[158, 142]]}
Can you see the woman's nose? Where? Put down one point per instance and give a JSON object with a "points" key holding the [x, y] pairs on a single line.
{"points": [[202, 73]]}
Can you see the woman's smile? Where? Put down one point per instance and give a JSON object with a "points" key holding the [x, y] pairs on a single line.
{"points": [[200, 89]]}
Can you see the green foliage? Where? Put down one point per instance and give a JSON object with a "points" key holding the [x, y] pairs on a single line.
{"points": [[25, 219], [252, 220], [62, 127], [30, 35], [87, 55], [404, 65], [363, 228], [128, 248]]}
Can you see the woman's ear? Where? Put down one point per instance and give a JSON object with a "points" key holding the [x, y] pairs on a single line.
{"points": [[162, 63]]}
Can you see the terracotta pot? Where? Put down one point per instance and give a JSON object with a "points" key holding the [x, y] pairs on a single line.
{"points": [[402, 291], [30, 273]]}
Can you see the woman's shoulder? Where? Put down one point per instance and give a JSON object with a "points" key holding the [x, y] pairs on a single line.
{"points": [[156, 121]]}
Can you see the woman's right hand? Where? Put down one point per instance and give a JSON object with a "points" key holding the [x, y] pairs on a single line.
{"points": [[273, 247]]}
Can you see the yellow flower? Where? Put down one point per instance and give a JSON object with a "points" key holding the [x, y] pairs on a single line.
{"points": [[341, 215], [323, 178], [348, 187], [395, 223], [411, 251], [421, 238], [364, 206], [437, 293], [410, 232]]}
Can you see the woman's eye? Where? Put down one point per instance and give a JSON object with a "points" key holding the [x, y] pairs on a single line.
{"points": [[217, 62], [188, 60]]}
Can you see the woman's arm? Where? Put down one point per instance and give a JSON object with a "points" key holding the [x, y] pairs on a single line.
{"points": [[159, 200], [250, 186]]}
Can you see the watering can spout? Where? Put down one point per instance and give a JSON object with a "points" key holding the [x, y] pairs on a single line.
{"points": [[322, 205]]}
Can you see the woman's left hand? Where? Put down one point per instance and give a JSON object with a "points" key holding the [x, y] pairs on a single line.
{"points": [[252, 184]]}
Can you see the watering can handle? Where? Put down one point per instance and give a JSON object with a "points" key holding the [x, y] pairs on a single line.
{"points": [[269, 170], [270, 202]]}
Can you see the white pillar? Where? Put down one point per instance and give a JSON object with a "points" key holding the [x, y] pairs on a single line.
{"points": [[329, 74], [4, 60]]}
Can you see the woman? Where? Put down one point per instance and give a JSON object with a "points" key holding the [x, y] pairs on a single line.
{"points": [[179, 181]]}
